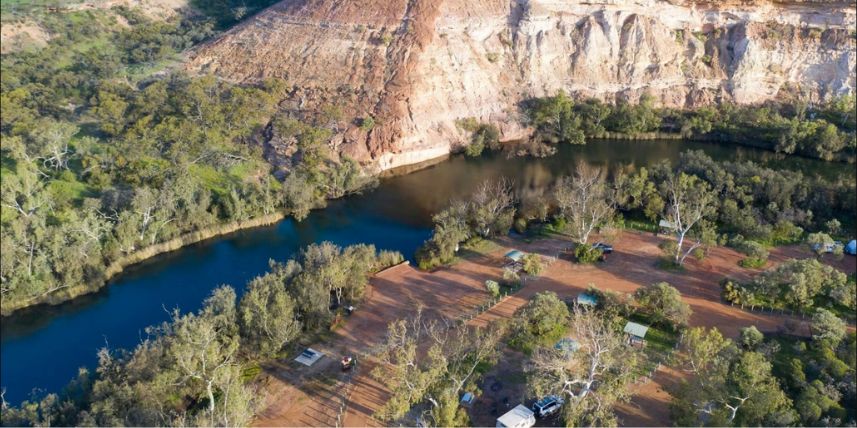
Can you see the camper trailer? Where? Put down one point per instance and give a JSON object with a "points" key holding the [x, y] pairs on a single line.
{"points": [[519, 417]]}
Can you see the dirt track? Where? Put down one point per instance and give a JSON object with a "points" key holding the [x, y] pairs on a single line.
{"points": [[456, 290]]}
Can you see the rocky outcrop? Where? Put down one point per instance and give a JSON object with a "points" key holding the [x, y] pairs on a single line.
{"points": [[417, 66]]}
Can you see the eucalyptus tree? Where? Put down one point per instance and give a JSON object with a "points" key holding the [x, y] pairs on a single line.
{"points": [[585, 201], [690, 202], [595, 379], [492, 207], [267, 314], [437, 376], [728, 386]]}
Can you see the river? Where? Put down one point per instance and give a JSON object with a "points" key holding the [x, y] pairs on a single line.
{"points": [[43, 347]]}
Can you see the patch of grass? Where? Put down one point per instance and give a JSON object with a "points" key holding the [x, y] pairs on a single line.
{"points": [[483, 367], [219, 181], [753, 262], [250, 372], [328, 380], [246, 169], [211, 178], [70, 190], [661, 340], [474, 247], [515, 378], [669, 265], [642, 226]]}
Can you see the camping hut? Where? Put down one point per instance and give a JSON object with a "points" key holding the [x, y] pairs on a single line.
{"points": [[514, 256], [587, 299], [636, 333], [513, 260], [851, 248], [665, 227]]}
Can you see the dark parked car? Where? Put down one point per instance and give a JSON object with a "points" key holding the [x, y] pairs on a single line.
{"points": [[605, 248], [547, 406]]}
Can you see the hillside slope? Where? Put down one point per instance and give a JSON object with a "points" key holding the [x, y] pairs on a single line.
{"points": [[416, 66]]}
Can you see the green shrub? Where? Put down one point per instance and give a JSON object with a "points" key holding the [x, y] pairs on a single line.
{"points": [[493, 287], [542, 320], [753, 262], [388, 258], [786, 232], [532, 264], [367, 123], [427, 257], [737, 294], [558, 224], [520, 225], [757, 254], [511, 279], [586, 254], [474, 149], [750, 337]]}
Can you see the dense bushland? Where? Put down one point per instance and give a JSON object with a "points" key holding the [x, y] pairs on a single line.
{"points": [[825, 131], [772, 380], [101, 158]]}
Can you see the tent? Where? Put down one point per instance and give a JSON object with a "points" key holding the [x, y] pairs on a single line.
{"points": [[567, 346], [851, 248], [586, 299], [309, 357]]}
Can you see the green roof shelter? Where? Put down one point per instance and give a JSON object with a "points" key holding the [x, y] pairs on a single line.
{"points": [[636, 330], [515, 255]]}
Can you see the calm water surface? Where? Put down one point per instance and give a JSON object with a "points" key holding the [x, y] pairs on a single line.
{"points": [[42, 348]]}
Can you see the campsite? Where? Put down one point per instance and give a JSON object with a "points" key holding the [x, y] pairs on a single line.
{"points": [[457, 291]]}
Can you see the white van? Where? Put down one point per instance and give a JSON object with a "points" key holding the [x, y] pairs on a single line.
{"points": [[519, 417]]}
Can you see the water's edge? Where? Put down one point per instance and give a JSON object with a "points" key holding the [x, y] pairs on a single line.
{"points": [[70, 292]]}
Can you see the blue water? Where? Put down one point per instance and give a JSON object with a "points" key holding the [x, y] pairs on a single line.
{"points": [[42, 348]]}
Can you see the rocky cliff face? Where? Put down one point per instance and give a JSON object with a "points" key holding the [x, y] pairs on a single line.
{"points": [[416, 66]]}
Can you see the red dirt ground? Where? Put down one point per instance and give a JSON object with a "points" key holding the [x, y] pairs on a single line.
{"points": [[323, 392], [303, 396]]}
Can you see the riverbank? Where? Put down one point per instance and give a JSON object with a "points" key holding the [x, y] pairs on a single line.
{"points": [[711, 138], [69, 292], [66, 293]]}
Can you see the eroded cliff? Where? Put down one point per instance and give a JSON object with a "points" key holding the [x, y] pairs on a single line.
{"points": [[416, 66]]}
